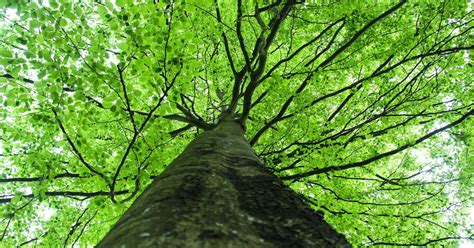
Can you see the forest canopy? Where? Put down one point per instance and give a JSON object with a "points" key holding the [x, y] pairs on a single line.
{"points": [[361, 107]]}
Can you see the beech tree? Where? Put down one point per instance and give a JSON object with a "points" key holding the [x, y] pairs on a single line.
{"points": [[309, 123]]}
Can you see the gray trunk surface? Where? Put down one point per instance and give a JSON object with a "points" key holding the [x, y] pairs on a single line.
{"points": [[217, 193]]}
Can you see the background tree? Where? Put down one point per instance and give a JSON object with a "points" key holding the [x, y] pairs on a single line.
{"points": [[362, 108]]}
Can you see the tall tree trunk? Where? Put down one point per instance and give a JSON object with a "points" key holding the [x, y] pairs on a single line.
{"points": [[218, 194]]}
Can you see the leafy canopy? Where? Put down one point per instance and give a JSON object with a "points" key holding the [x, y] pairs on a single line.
{"points": [[361, 106]]}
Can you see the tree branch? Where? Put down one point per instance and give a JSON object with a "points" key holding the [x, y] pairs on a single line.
{"points": [[260, 52], [74, 148], [379, 156], [68, 194], [36, 179], [226, 42], [422, 244]]}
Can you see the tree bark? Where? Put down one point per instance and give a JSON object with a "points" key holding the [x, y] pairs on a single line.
{"points": [[217, 193]]}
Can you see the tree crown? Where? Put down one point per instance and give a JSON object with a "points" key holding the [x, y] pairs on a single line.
{"points": [[363, 108]]}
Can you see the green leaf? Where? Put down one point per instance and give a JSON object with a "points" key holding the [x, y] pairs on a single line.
{"points": [[5, 53], [109, 101], [121, 3]]}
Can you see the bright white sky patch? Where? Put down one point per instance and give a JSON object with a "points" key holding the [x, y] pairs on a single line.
{"points": [[45, 213]]}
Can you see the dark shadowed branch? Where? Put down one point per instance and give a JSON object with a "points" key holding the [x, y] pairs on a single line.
{"points": [[86, 195], [379, 156], [84, 228], [260, 54], [423, 244], [140, 129], [74, 148], [36, 179], [328, 60], [74, 226]]}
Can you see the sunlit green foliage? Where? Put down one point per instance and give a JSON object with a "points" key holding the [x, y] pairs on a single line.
{"points": [[362, 107]]}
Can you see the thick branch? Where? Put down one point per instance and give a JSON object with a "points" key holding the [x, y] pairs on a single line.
{"points": [[69, 194], [360, 33], [377, 157], [324, 63], [260, 50]]}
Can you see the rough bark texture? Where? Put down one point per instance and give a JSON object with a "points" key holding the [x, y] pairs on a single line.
{"points": [[218, 194]]}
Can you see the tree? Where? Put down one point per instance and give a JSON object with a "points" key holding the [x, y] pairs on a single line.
{"points": [[362, 109]]}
